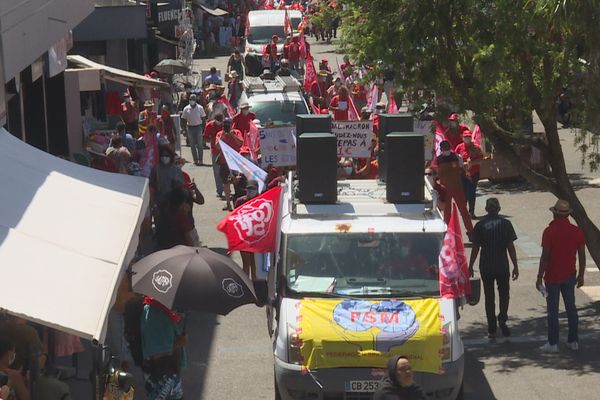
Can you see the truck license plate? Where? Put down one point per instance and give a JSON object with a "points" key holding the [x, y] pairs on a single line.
{"points": [[362, 386]]}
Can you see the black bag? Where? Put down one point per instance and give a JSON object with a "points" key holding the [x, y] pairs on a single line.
{"points": [[475, 295], [132, 319]]}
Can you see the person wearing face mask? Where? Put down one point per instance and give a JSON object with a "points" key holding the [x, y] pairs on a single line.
{"points": [[334, 89], [166, 126], [192, 119], [248, 262], [346, 169], [210, 133], [16, 386], [129, 114], [234, 139], [449, 167], [472, 155], [398, 383], [243, 119], [164, 177], [340, 104], [454, 133], [318, 90]]}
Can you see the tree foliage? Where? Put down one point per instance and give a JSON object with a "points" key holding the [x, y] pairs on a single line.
{"points": [[502, 60]]}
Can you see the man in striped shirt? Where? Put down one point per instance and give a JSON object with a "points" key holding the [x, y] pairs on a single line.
{"points": [[495, 235]]}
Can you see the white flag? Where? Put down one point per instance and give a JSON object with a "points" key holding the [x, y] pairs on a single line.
{"points": [[236, 162]]}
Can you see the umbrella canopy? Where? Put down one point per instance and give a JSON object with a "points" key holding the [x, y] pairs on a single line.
{"points": [[172, 67], [183, 278]]}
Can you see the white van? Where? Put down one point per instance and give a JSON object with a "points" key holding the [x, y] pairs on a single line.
{"points": [[353, 283], [262, 25]]}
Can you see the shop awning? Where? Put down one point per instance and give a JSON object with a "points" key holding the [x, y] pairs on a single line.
{"points": [[217, 12], [118, 75], [66, 234]]}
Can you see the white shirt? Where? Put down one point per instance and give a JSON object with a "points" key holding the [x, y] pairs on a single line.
{"points": [[193, 115]]}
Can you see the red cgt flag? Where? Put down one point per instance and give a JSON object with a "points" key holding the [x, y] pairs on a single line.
{"points": [[253, 226], [311, 74], [454, 271]]}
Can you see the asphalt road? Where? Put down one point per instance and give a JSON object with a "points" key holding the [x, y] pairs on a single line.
{"points": [[232, 355]]}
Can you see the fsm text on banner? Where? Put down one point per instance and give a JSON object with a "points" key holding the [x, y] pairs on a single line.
{"points": [[354, 138]]}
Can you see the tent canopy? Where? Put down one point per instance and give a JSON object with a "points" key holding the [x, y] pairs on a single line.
{"points": [[66, 233], [118, 75]]}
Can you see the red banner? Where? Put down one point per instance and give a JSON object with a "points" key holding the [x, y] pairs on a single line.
{"points": [[230, 108], [252, 141], [253, 226], [392, 106], [454, 271], [477, 136]]}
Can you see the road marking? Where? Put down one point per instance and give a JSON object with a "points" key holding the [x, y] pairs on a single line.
{"points": [[593, 292], [592, 269]]}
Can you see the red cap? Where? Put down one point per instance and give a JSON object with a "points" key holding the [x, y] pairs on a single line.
{"points": [[324, 60], [324, 111], [275, 37], [453, 117], [467, 133]]}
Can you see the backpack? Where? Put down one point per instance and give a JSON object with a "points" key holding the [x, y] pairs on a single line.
{"points": [[132, 319]]}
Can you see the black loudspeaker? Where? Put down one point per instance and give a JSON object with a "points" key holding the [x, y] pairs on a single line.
{"points": [[403, 122], [312, 123], [317, 168], [405, 167]]}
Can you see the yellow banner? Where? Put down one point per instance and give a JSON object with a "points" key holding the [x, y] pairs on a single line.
{"points": [[363, 333]]}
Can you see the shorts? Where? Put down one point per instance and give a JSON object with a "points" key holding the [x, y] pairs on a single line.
{"points": [[224, 172], [164, 387]]}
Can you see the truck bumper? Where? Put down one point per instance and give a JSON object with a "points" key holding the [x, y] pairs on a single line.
{"points": [[330, 383]]}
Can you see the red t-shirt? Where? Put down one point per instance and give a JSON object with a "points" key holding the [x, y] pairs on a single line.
{"points": [[374, 171], [242, 122], [318, 89], [294, 52], [340, 115], [455, 139], [211, 131], [361, 92], [473, 153], [221, 137], [562, 239]]}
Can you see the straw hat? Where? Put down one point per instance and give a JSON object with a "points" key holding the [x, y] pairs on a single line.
{"points": [[148, 103], [234, 74], [561, 207]]}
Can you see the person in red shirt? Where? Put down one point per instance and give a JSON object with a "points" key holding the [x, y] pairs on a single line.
{"points": [[210, 133], [318, 90], [234, 139], [562, 242], [242, 120], [454, 133], [286, 47], [129, 114], [359, 94], [340, 104], [270, 50], [346, 67], [294, 54], [472, 156]]}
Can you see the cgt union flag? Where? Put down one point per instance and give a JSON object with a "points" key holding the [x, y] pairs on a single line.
{"points": [[454, 271], [252, 226]]}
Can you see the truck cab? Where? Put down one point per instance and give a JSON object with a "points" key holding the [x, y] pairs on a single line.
{"points": [[354, 282]]}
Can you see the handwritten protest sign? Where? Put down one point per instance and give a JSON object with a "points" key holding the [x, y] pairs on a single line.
{"points": [[353, 138], [278, 146]]}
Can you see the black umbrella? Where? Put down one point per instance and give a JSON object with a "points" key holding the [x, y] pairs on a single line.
{"points": [[171, 67], [196, 278]]}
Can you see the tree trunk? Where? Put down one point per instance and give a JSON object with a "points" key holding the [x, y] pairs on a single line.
{"points": [[561, 185]]}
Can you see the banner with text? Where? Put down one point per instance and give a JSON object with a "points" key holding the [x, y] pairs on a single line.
{"points": [[278, 146], [353, 138]]}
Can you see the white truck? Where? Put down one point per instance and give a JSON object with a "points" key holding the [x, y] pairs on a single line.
{"points": [[353, 283]]}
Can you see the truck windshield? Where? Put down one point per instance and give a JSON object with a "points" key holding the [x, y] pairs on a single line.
{"points": [[363, 264], [295, 21], [280, 112], [263, 34]]}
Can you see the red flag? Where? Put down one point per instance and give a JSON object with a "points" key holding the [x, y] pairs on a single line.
{"points": [[287, 24], [353, 114], [373, 97], [253, 226], [438, 139], [392, 106], [252, 141], [230, 108], [310, 74], [454, 271], [477, 136]]}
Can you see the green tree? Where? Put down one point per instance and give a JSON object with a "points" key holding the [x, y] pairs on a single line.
{"points": [[491, 57]]}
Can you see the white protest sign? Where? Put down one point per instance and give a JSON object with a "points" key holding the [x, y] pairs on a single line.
{"points": [[353, 138], [278, 146], [426, 128]]}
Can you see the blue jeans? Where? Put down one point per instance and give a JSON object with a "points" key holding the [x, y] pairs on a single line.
{"points": [[567, 289], [470, 188], [195, 142], [217, 175]]}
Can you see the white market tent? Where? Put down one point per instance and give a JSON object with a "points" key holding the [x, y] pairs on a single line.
{"points": [[66, 234]]}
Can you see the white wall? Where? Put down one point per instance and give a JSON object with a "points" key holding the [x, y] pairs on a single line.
{"points": [[29, 27]]}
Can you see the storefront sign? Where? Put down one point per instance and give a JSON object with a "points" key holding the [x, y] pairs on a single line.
{"points": [[353, 138]]}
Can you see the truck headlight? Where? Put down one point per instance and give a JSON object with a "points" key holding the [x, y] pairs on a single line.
{"points": [[294, 351], [446, 350]]}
